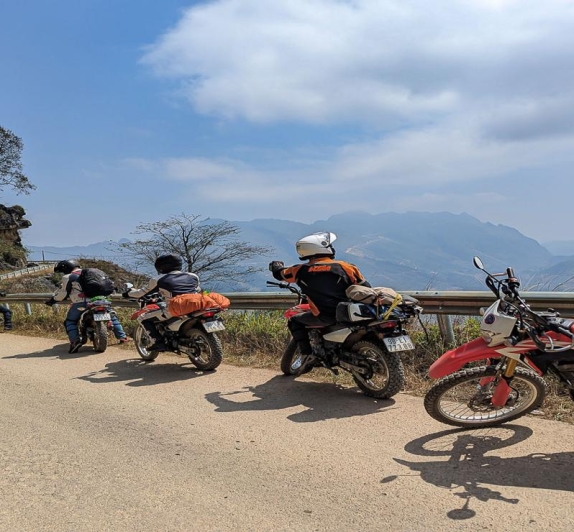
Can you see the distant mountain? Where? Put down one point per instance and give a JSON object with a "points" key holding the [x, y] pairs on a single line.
{"points": [[100, 250], [409, 251]]}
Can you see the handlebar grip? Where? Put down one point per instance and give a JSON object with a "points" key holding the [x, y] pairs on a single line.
{"points": [[563, 326]]}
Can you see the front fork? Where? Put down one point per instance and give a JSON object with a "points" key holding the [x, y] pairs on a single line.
{"points": [[502, 390]]}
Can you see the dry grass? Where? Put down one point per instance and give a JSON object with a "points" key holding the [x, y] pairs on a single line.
{"points": [[257, 339]]}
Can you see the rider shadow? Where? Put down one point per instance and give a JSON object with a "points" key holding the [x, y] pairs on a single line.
{"points": [[468, 466], [136, 372], [322, 400], [58, 351]]}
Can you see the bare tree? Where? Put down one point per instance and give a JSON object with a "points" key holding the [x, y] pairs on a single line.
{"points": [[212, 250], [11, 174]]}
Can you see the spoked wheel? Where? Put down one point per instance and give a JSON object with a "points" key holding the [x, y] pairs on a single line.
{"points": [[100, 336], [143, 343], [461, 399], [292, 360], [203, 349], [384, 374]]}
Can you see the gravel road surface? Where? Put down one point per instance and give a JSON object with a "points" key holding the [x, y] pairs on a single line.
{"points": [[106, 442]]}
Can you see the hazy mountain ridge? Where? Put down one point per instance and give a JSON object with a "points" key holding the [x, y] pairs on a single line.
{"points": [[408, 251]]}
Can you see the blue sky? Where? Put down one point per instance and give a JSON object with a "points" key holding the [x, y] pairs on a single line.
{"points": [[132, 112]]}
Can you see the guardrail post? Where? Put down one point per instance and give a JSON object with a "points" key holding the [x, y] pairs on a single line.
{"points": [[445, 327], [28, 308]]}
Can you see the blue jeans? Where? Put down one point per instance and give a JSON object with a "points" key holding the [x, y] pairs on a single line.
{"points": [[7, 317], [73, 317]]}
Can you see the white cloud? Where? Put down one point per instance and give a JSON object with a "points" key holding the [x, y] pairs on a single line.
{"points": [[445, 93], [322, 61]]}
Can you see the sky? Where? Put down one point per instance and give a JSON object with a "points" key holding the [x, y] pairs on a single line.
{"points": [[131, 112]]}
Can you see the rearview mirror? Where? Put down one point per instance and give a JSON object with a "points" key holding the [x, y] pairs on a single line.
{"points": [[478, 263]]}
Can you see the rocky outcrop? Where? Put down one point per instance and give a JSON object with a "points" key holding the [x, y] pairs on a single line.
{"points": [[12, 252]]}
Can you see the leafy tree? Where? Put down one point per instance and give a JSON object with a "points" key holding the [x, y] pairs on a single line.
{"points": [[212, 250], [11, 174]]}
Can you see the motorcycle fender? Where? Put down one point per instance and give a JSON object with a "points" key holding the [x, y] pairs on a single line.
{"points": [[144, 310], [338, 336], [454, 359]]}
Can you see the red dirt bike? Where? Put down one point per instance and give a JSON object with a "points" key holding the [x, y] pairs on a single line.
{"points": [[95, 322], [500, 390], [366, 341]]}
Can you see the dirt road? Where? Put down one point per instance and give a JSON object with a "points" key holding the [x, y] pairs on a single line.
{"points": [[98, 442]]}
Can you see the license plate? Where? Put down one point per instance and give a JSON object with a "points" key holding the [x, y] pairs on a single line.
{"points": [[105, 316], [213, 326], [399, 343]]}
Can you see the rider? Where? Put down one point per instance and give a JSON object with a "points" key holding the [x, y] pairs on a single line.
{"points": [[7, 315], [70, 289], [170, 282], [322, 279]]}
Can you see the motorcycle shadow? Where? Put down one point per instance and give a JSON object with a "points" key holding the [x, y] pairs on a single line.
{"points": [[136, 372], [467, 465], [58, 351], [321, 401]]}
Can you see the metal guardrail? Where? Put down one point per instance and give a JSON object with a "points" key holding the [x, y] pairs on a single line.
{"points": [[441, 304], [434, 302], [25, 271]]}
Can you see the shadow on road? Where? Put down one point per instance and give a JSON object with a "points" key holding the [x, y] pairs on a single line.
{"points": [[467, 465], [321, 400], [136, 372], [59, 351]]}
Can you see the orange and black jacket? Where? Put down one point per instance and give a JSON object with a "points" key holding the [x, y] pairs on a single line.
{"points": [[324, 281]]}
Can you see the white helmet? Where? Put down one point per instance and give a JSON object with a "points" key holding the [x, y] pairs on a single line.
{"points": [[316, 244]]}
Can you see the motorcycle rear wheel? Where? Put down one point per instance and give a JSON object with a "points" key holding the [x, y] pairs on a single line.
{"points": [[457, 400], [143, 342], [100, 336], [292, 360], [206, 351], [387, 374]]}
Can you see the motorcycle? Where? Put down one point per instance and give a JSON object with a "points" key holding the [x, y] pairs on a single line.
{"points": [[95, 322], [193, 335], [366, 342], [516, 348]]}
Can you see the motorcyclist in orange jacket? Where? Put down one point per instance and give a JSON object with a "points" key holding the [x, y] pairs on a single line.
{"points": [[322, 279]]}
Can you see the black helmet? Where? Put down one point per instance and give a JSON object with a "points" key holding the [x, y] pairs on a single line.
{"points": [[66, 266], [168, 263]]}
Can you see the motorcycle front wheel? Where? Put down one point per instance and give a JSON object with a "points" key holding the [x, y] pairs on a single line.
{"points": [[461, 400], [100, 336], [143, 342], [203, 349], [292, 360], [384, 374]]}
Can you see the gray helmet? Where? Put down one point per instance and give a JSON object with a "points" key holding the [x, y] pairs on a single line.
{"points": [[66, 266], [168, 263]]}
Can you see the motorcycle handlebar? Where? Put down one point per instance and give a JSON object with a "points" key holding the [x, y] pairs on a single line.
{"points": [[562, 326], [285, 285]]}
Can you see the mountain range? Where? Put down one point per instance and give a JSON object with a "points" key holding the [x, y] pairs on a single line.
{"points": [[407, 251]]}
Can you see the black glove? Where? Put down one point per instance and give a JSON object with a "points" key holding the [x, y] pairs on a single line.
{"points": [[276, 266], [50, 302], [126, 295], [2, 294]]}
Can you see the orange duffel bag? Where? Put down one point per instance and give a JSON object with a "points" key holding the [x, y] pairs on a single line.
{"points": [[188, 303]]}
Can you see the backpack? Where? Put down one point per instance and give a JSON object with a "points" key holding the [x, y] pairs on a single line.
{"points": [[95, 282]]}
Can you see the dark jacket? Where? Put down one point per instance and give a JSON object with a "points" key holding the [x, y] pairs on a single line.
{"points": [[324, 281]]}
